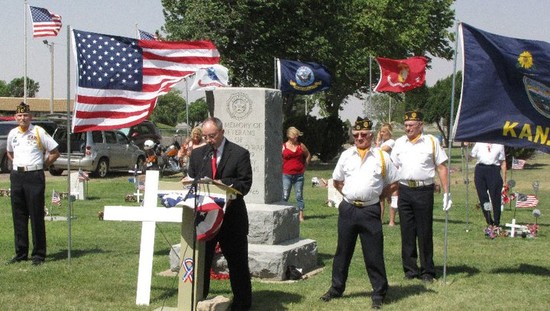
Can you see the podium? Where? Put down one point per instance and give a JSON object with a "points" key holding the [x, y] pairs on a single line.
{"points": [[149, 214], [192, 254]]}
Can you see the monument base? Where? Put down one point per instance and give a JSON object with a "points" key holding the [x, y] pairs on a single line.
{"points": [[274, 244]]}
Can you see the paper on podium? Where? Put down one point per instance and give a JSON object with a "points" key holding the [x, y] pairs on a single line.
{"points": [[230, 191]]}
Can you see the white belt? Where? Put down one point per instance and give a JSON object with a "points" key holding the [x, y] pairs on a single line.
{"points": [[411, 183], [29, 168], [358, 203]]}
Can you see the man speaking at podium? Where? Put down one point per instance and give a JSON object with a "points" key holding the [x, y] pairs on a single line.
{"points": [[229, 164]]}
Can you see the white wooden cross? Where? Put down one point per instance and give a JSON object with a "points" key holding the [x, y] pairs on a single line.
{"points": [[136, 182], [149, 214], [513, 226]]}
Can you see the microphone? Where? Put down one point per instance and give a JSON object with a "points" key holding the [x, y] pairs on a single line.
{"points": [[210, 152]]}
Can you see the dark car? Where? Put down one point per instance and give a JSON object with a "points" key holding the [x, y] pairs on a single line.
{"points": [[6, 127], [143, 131]]}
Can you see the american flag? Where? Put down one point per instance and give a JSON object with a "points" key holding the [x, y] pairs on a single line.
{"points": [[56, 200], [83, 176], [517, 164], [526, 201], [44, 22], [144, 35], [119, 78]]}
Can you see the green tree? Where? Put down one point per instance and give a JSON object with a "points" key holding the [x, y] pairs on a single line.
{"points": [[198, 112], [385, 107], [342, 35], [4, 92], [435, 103], [15, 87], [168, 107]]}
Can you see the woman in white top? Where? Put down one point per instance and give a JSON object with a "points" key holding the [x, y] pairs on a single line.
{"points": [[385, 142], [491, 161]]}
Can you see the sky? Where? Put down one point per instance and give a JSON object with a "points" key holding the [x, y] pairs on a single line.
{"points": [[526, 19]]}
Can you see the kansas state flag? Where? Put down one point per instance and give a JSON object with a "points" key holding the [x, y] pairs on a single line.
{"points": [[505, 91], [302, 77]]}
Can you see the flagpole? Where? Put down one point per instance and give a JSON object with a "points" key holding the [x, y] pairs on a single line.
{"points": [[370, 79], [25, 53], [450, 145], [275, 73], [69, 130], [187, 105]]}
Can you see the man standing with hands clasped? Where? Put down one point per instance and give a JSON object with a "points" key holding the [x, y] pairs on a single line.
{"points": [[363, 175], [31, 150], [418, 156]]}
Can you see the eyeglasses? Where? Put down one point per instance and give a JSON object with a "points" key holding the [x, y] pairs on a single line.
{"points": [[210, 136], [357, 135]]}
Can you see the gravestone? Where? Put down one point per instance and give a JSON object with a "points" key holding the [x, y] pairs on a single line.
{"points": [[253, 118], [78, 186]]}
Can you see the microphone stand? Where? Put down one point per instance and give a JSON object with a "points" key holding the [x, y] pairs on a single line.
{"points": [[193, 190]]}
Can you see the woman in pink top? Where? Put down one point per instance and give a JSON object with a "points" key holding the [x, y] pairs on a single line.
{"points": [[296, 158]]}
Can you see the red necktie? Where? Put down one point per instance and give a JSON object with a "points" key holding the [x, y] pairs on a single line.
{"points": [[214, 164]]}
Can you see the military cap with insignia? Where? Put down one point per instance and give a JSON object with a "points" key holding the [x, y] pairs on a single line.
{"points": [[362, 124], [413, 116], [22, 108]]}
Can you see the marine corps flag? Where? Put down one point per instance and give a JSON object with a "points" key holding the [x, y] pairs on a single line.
{"points": [[505, 90], [401, 75], [302, 77]]}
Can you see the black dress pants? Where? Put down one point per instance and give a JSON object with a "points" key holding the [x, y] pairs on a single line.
{"points": [[363, 222], [416, 223], [27, 201], [487, 178]]}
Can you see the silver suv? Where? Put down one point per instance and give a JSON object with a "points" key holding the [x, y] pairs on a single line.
{"points": [[98, 152]]}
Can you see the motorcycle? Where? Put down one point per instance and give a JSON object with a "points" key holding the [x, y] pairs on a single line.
{"points": [[170, 161]]}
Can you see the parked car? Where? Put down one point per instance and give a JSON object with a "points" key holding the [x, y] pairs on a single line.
{"points": [[99, 152], [143, 131], [6, 127]]}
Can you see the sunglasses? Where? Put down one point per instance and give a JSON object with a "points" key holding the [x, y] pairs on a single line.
{"points": [[357, 135]]}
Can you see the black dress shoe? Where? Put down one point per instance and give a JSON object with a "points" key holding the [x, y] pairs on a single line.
{"points": [[411, 276], [37, 262], [377, 304], [331, 294], [427, 279], [16, 260]]}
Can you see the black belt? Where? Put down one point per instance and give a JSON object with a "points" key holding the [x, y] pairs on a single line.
{"points": [[28, 168], [358, 203]]}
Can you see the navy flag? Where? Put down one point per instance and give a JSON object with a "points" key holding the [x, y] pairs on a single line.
{"points": [[505, 91], [302, 77]]}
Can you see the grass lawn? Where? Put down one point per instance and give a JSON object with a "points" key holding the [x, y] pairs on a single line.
{"points": [[481, 274]]}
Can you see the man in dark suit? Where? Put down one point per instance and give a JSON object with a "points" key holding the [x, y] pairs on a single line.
{"points": [[228, 163]]}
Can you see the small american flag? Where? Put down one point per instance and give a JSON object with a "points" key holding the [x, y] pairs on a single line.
{"points": [[517, 164], [119, 78], [526, 201], [83, 176], [44, 22], [144, 35], [56, 200]]}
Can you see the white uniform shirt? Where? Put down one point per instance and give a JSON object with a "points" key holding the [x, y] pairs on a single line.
{"points": [[390, 143], [488, 154], [27, 148], [363, 180], [416, 161]]}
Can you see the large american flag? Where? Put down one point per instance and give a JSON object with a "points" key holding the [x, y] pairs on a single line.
{"points": [[144, 35], [44, 22], [119, 78]]}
